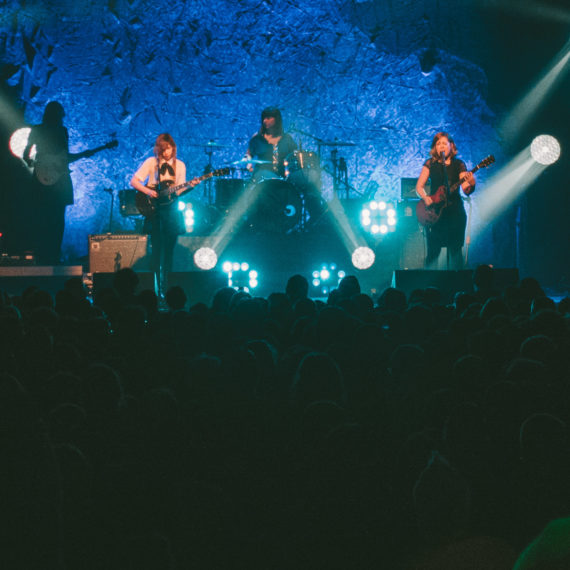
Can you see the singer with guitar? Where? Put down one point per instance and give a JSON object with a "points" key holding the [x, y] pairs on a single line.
{"points": [[448, 175], [165, 223]]}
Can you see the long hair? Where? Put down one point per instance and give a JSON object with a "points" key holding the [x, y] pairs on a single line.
{"points": [[162, 141], [53, 114], [274, 112], [438, 136]]}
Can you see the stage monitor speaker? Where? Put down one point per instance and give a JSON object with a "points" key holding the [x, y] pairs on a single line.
{"points": [[127, 203], [448, 282], [408, 188], [105, 281], [110, 252], [199, 286], [411, 237]]}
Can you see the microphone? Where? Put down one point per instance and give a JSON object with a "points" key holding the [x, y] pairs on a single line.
{"points": [[442, 156]]}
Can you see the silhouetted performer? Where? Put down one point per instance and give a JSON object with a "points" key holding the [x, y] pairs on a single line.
{"points": [[47, 152]]}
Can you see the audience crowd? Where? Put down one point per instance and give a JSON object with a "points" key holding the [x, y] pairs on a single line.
{"points": [[400, 432]]}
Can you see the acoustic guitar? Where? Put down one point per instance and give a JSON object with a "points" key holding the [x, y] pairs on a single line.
{"points": [[167, 193], [49, 168], [429, 215]]}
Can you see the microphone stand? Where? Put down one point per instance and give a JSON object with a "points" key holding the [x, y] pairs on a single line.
{"points": [[112, 194], [207, 169], [447, 195]]}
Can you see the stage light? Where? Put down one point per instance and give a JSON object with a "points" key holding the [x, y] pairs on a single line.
{"points": [[378, 217], [188, 213], [205, 258], [545, 149], [325, 279], [363, 257], [19, 142], [240, 276]]}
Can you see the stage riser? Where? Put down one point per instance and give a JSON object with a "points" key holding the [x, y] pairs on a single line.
{"points": [[15, 280]]}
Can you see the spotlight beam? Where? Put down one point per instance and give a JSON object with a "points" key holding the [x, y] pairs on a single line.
{"points": [[525, 109], [507, 185]]}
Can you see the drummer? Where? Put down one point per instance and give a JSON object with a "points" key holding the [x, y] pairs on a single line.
{"points": [[270, 144]]}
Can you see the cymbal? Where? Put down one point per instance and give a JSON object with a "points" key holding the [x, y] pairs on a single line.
{"points": [[336, 143], [251, 161], [209, 144]]}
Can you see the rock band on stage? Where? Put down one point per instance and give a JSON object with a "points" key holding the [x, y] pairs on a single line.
{"points": [[282, 181]]}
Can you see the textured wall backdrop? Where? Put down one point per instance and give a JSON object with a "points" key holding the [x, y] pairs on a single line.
{"points": [[203, 70]]}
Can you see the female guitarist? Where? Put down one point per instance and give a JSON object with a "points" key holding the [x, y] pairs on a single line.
{"points": [[447, 174], [165, 223]]}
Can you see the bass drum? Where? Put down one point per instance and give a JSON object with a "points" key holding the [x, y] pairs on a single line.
{"points": [[302, 168], [277, 206]]}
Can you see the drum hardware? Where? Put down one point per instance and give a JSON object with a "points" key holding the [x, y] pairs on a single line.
{"points": [[277, 206], [349, 188], [209, 148], [209, 145], [336, 143], [112, 194], [245, 161], [320, 142]]}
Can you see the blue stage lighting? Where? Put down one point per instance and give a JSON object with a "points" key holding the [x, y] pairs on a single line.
{"points": [[205, 258], [240, 275], [363, 257], [378, 217], [325, 278], [545, 149]]}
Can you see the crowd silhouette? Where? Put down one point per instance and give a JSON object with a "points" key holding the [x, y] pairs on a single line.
{"points": [[285, 432]]}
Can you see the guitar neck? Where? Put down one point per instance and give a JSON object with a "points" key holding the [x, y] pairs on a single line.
{"points": [[460, 182], [200, 179]]}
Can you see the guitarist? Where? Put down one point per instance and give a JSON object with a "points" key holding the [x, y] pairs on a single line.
{"points": [[444, 169], [49, 139], [166, 223]]}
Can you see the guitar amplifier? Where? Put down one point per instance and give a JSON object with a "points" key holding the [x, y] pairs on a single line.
{"points": [[110, 252], [127, 203], [408, 188]]}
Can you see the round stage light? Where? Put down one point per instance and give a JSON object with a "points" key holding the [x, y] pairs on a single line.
{"points": [[545, 149], [363, 258], [19, 142], [205, 258]]}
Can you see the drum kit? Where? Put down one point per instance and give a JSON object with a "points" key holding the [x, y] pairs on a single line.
{"points": [[283, 204]]}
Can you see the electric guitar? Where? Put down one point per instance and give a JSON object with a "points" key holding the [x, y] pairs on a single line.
{"points": [[429, 215], [167, 193], [49, 168]]}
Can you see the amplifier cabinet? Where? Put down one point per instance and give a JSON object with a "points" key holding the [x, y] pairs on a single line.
{"points": [[110, 252]]}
